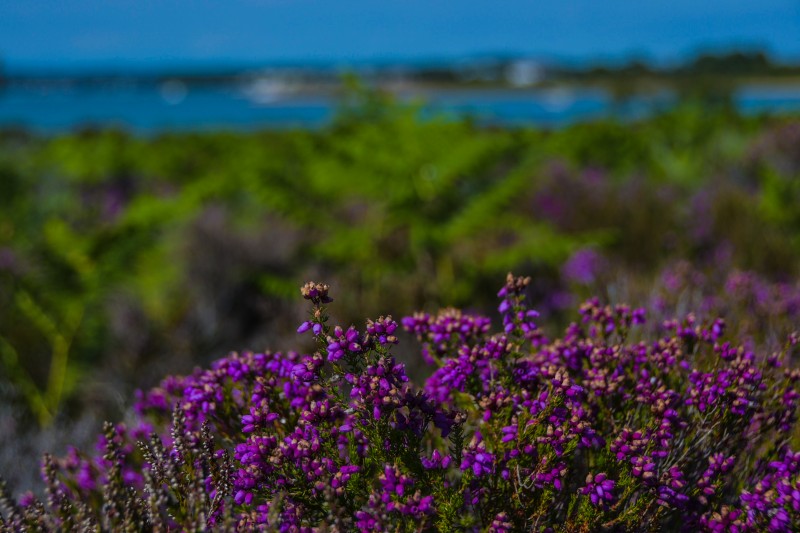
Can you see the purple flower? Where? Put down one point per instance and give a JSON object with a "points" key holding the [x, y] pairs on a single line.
{"points": [[437, 460], [583, 266], [600, 490], [501, 524], [476, 458]]}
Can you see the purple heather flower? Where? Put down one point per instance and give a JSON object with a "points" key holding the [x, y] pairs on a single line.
{"points": [[476, 458], [383, 330], [501, 524], [583, 266], [509, 433], [343, 342], [27, 499], [437, 460], [316, 292], [644, 467], [600, 490]]}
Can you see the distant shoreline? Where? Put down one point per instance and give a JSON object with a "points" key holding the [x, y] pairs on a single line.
{"points": [[705, 72]]}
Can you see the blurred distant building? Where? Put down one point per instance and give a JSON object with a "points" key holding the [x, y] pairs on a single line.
{"points": [[524, 73]]}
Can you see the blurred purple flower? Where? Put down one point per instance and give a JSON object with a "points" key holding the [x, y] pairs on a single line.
{"points": [[584, 266]]}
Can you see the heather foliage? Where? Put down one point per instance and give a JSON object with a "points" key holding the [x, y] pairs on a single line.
{"points": [[618, 424]]}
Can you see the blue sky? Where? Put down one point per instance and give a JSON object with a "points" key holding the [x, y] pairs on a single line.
{"points": [[68, 33]]}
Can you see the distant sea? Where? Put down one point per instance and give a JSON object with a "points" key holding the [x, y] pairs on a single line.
{"points": [[154, 109]]}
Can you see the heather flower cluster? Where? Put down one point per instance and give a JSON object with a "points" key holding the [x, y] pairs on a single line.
{"points": [[617, 425]]}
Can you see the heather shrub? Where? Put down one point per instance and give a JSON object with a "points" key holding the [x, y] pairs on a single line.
{"points": [[618, 424]]}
